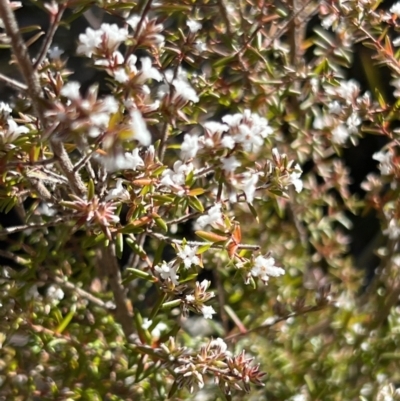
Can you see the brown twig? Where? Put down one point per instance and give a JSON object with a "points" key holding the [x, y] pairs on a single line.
{"points": [[55, 21], [123, 305], [13, 83]]}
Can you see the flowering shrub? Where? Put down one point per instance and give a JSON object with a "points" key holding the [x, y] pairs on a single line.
{"points": [[170, 243]]}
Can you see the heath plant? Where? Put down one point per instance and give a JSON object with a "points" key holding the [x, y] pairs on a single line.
{"points": [[185, 213]]}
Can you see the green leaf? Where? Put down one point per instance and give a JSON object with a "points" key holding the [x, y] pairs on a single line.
{"points": [[196, 204], [63, 325]]}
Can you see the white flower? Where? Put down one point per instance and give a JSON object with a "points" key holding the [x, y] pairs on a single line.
{"points": [[213, 217], [12, 132], [190, 298], [335, 107], [395, 9], [295, 179], [189, 147], [120, 75], [176, 178], [109, 36], [230, 164], [166, 271], [193, 26], [248, 185], [340, 134], [327, 22], [89, 41], [385, 159], [127, 161], [71, 90], [200, 46], [396, 42], [348, 90], [188, 256], [148, 71], [55, 293], [393, 230], [55, 52], [248, 129], [207, 311], [133, 21], [265, 268], [139, 128], [184, 90], [119, 192], [156, 332], [219, 343], [353, 122], [5, 110]]}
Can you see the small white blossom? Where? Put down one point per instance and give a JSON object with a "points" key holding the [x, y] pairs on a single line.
{"points": [[188, 256], [200, 46], [265, 268], [55, 52], [139, 128], [5, 110], [340, 134], [248, 185], [393, 230], [213, 217], [193, 26], [12, 132], [349, 90], [166, 271], [119, 192], [71, 90], [89, 41], [395, 9], [396, 42], [295, 179], [55, 293], [109, 36], [184, 90], [335, 107], [396, 84], [189, 147], [385, 160], [190, 298], [120, 75], [124, 161], [219, 343], [328, 21], [176, 178], [353, 123], [133, 21], [230, 164], [148, 71], [208, 311], [248, 129], [156, 332]]}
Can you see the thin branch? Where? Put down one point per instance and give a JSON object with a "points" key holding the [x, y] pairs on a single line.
{"points": [[15, 258], [145, 11], [277, 320], [82, 293], [123, 305], [199, 243], [42, 162], [13, 83], [18, 229], [55, 21]]}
